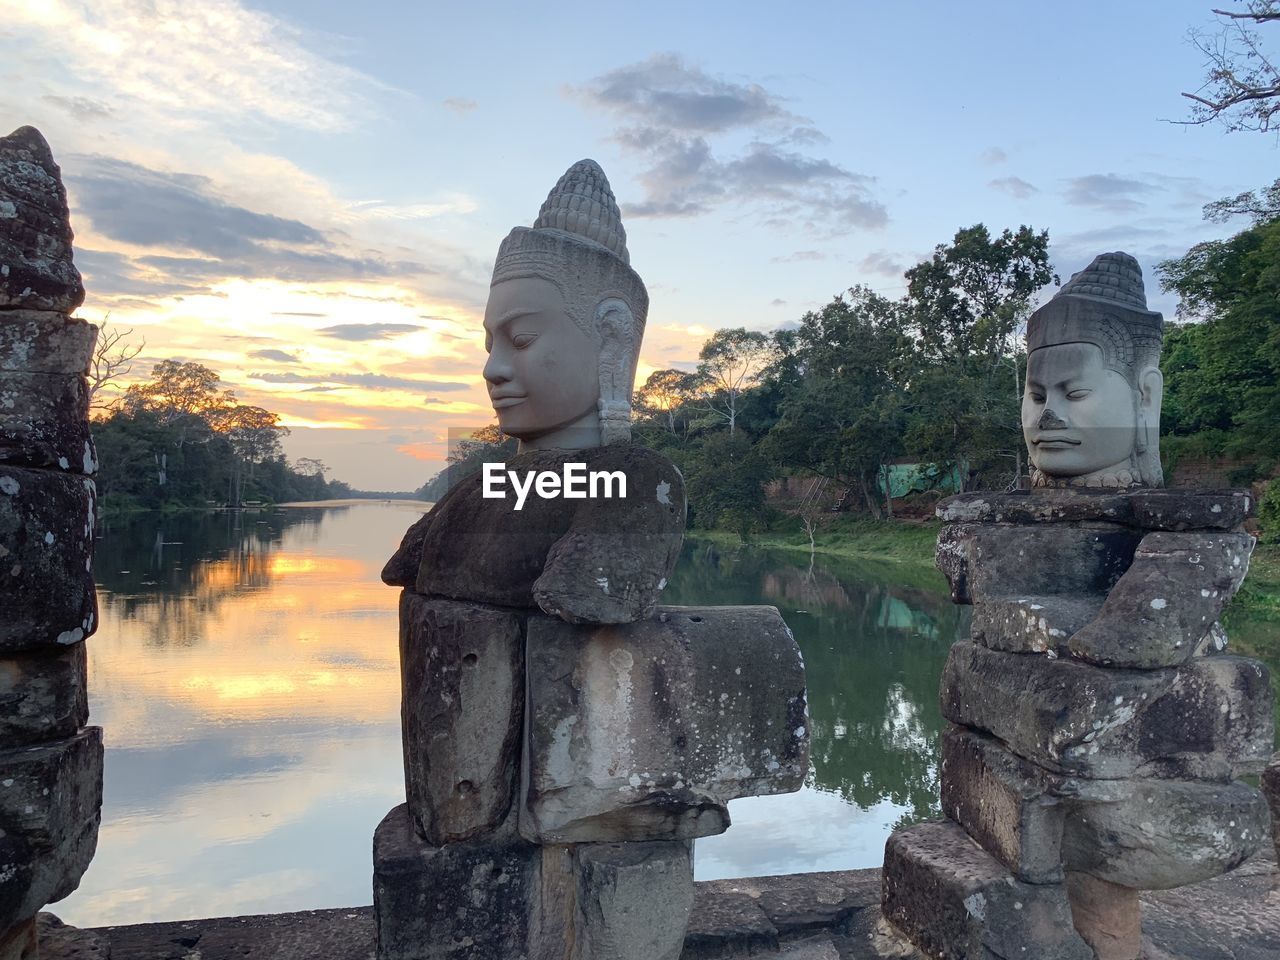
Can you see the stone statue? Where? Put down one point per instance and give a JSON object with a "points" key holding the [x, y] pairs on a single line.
{"points": [[564, 321], [565, 738], [1091, 408], [1098, 729]]}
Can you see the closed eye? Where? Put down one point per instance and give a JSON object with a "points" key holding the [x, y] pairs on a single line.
{"points": [[522, 340], [1037, 397], [1078, 394]]}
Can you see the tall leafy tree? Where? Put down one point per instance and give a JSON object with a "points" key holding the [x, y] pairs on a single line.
{"points": [[966, 306], [1224, 372], [730, 363]]}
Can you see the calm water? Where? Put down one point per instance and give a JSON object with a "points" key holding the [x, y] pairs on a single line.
{"points": [[246, 674]]}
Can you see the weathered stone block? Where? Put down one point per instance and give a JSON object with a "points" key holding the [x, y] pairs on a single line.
{"points": [[1169, 509], [59, 941], [1004, 803], [36, 271], [1167, 833], [50, 802], [1271, 788], [644, 732], [462, 678], [46, 542], [44, 422], [1145, 509], [43, 695], [982, 560], [1209, 719], [37, 341], [593, 560], [461, 901], [633, 900], [1031, 624], [20, 943], [1107, 916], [954, 900], [1160, 611]]}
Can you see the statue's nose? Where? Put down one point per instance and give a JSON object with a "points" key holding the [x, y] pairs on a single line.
{"points": [[1050, 421]]}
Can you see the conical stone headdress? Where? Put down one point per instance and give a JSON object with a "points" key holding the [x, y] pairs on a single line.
{"points": [[578, 244], [1104, 304]]}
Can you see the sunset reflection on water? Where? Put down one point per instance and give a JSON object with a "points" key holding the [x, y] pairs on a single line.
{"points": [[246, 675]]}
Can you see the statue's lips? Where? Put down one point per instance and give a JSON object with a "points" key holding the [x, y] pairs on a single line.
{"points": [[1055, 443], [501, 402]]}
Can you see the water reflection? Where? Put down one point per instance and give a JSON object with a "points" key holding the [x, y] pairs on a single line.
{"points": [[246, 675], [874, 639]]}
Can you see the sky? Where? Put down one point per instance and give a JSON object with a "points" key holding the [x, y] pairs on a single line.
{"points": [[307, 196]]}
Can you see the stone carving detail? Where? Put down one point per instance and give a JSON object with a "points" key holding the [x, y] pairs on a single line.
{"points": [[50, 762], [1098, 730], [565, 737], [1091, 407]]}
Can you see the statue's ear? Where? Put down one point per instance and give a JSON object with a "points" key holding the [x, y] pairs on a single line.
{"points": [[616, 326], [1151, 391], [1150, 395]]}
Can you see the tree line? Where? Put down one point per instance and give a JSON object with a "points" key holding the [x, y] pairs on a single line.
{"points": [[181, 440]]}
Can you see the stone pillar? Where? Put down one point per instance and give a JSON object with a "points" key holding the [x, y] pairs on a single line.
{"points": [[50, 762], [558, 772], [1097, 725]]}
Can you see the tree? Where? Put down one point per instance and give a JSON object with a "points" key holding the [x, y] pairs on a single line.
{"points": [[113, 356], [1242, 83], [966, 305], [841, 412], [730, 362], [254, 435], [971, 296], [1225, 370], [664, 394]]}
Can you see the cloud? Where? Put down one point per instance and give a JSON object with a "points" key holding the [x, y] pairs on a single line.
{"points": [[670, 112], [369, 381], [665, 92], [279, 356], [141, 207], [885, 264], [146, 207], [297, 313], [114, 275], [180, 61], [799, 255], [993, 156], [1014, 186], [84, 109], [369, 331], [775, 302], [1106, 191], [460, 105]]}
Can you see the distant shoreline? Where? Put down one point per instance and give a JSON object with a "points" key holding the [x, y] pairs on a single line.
{"points": [[350, 501]]}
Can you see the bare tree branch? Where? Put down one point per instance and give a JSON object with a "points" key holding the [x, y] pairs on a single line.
{"points": [[1242, 84], [113, 357]]}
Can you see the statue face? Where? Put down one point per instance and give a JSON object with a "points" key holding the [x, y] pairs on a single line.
{"points": [[543, 370], [1078, 416]]}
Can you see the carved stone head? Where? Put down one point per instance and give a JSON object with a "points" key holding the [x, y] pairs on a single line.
{"points": [[1091, 406], [565, 319]]}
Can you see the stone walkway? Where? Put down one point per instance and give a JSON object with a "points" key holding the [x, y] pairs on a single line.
{"points": [[808, 916]]}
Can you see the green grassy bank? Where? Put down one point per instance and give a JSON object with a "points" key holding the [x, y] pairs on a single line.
{"points": [[901, 541], [910, 543]]}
